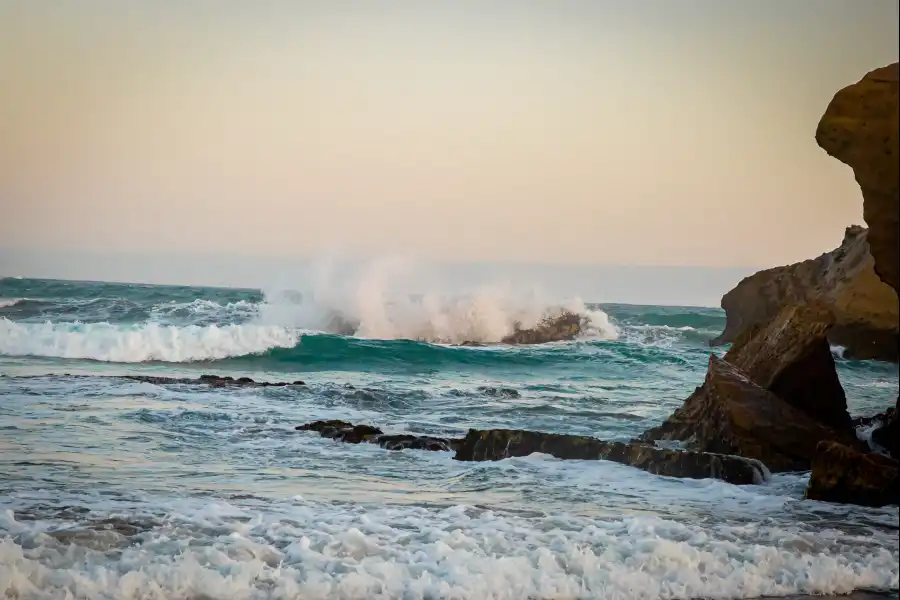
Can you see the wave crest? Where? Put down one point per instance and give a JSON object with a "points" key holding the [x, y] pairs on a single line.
{"points": [[380, 303], [141, 342]]}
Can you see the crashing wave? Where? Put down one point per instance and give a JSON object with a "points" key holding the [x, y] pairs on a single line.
{"points": [[141, 342]]}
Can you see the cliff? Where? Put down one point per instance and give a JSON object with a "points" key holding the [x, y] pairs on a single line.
{"points": [[844, 280]]}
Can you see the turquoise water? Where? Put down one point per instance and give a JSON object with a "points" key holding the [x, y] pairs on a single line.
{"points": [[116, 489]]}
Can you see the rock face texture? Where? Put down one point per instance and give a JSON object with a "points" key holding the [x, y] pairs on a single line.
{"points": [[790, 357], [497, 444], [730, 414], [859, 128], [866, 310], [888, 435], [842, 474]]}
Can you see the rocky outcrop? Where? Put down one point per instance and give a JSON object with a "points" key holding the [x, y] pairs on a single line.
{"points": [[866, 310], [790, 357], [888, 435], [730, 414], [356, 434], [498, 444], [215, 381], [859, 128], [842, 474], [563, 327]]}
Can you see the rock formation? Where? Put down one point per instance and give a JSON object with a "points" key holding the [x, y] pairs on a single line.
{"points": [[859, 128], [563, 327], [357, 434], [790, 357], [730, 414], [498, 444], [842, 474], [888, 435], [866, 313]]}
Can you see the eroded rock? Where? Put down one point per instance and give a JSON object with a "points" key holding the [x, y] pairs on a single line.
{"points": [[846, 475], [865, 309], [888, 435], [859, 128], [791, 358], [498, 444], [730, 414]]}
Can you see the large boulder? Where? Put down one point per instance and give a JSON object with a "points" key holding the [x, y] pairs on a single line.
{"points": [[866, 313], [498, 444], [791, 358], [730, 414], [859, 128], [845, 475], [557, 328]]}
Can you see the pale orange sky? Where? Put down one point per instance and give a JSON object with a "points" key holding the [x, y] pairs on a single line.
{"points": [[640, 132]]}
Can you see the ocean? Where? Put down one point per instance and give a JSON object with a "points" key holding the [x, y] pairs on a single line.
{"points": [[112, 488]]}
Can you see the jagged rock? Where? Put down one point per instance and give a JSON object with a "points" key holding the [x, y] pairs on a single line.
{"points": [[563, 327], [212, 380], [355, 434], [791, 358], [888, 435], [730, 414], [866, 310], [498, 444], [845, 475], [860, 129]]}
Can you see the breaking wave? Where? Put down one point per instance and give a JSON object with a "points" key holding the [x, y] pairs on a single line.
{"points": [[140, 342]]}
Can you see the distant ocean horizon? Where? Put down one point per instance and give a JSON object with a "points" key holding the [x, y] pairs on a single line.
{"points": [[636, 284], [116, 488]]}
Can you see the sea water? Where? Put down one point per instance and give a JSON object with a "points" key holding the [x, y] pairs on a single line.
{"points": [[111, 488]]}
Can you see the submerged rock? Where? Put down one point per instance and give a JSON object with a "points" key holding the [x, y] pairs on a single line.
{"points": [[845, 475], [498, 444], [790, 357], [355, 434], [502, 392], [860, 129], [730, 414], [865, 309], [211, 380]]}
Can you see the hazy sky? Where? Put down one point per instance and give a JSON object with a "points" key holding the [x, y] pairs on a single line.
{"points": [[630, 132]]}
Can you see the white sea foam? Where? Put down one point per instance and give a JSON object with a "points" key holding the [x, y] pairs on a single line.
{"points": [[316, 551], [6, 302], [390, 300], [838, 351], [142, 342], [240, 310]]}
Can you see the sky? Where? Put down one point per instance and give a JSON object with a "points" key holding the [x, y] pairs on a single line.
{"points": [[594, 132]]}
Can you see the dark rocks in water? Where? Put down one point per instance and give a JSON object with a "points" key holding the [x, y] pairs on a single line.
{"points": [[730, 414], [845, 475], [498, 444], [211, 380], [495, 392], [888, 435], [563, 327], [790, 356], [355, 434], [866, 311]]}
